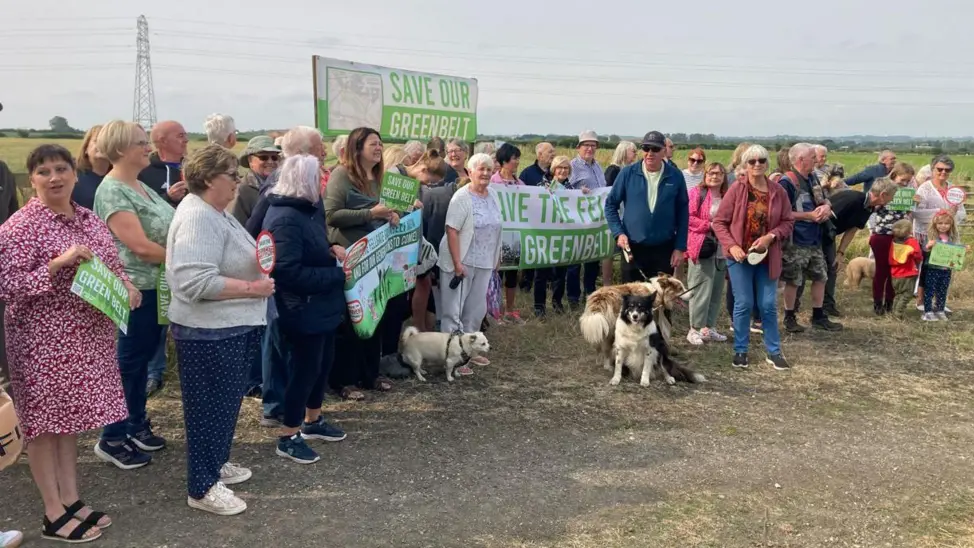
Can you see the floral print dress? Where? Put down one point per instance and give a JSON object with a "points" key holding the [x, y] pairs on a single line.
{"points": [[61, 350]]}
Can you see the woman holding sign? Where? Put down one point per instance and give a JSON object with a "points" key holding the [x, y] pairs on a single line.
{"points": [[63, 365], [311, 301], [218, 310], [352, 211], [935, 195], [881, 240], [139, 219]]}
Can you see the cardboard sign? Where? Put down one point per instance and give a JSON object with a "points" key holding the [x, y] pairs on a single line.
{"points": [[903, 200], [398, 192], [163, 297], [955, 196], [266, 252], [100, 287], [948, 255]]}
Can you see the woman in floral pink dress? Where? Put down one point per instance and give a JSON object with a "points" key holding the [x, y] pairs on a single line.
{"points": [[61, 350]]}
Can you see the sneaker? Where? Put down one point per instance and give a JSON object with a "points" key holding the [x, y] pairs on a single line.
{"points": [[920, 308], [792, 325], [942, 315], [296, 449], [778, 362], [145, 440], [929, 317], [231, 474], [124, 455], [321, 430], [268, 421], [740, 360], [757, 328], [152, 387], [948, 310], [712, 334], [694, 338], [833, 312], [879, 309], [11, 539], [218, 500], [463, 370], [513, 317], [825, 324], [480, 361]]}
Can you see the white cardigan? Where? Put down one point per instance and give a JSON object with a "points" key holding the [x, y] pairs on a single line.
{"points": [[930, 203], [460, 216]]}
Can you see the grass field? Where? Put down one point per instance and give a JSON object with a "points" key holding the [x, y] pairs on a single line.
{"points": [[867, 442]]}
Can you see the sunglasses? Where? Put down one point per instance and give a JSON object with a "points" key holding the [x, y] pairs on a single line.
{"points": [[651, 148], [944, 169], [757, 161], [267, 157], [695, 160]]}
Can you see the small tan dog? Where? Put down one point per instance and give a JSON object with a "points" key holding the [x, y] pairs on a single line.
{"points": [[859, 268]]}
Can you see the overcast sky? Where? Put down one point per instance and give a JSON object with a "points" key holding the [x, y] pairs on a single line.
{"points": [[828, 67]]}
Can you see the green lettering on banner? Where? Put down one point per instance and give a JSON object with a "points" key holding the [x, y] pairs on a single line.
{"points": [[387, 271], [401, 104], [903, 200], [96, 284], [398, 192], [552, 247], [948, 255], [163, 296]]}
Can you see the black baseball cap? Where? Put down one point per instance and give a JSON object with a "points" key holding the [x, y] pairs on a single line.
{"points": [[654, 139]]}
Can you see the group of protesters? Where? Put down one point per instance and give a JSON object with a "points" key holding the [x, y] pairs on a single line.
{"points": [[151, 212]]}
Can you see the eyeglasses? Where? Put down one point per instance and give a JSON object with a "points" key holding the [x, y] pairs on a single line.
{"points": [[757, 161], [944, 169], [267, 157], [651, 148], [233, 175], [695, 160], [715, 174]]}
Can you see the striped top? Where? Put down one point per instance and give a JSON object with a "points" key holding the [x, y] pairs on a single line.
{"points": [[586, 174]]}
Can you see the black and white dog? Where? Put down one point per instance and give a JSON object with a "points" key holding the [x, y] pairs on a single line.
{"points": [[641, 347]]}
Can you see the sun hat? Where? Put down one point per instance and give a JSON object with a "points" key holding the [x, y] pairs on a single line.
{"points": [[588, 135], [260, 143]]}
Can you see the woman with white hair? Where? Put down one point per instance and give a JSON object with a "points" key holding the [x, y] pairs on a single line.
{"points": [[753, 219], [217, 314], [338, 148], [624, 155], [456, 159], [220, 130], [310, 301], [414, 151], [470, 252]]}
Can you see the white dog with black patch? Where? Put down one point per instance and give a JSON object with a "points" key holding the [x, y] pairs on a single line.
{"points": [[449, 349]]}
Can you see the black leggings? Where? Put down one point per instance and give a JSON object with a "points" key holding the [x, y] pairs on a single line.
{"points": [[390, 328], [310, 357], [356, 360]]}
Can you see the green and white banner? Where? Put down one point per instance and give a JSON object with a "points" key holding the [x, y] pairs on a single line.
{"points": [[379, 267], [400, 104], [100, 287], [543, 228]]}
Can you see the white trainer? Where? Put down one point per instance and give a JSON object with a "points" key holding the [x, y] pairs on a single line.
{"points": [[218, 500], [231, 474], [694, 338]]}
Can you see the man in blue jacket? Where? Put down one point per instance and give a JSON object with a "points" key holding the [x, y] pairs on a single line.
{"points": [[654, 231], [887, 159]]}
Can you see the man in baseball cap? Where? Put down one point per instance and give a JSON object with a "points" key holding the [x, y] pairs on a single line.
{"points": [[653, 235]]}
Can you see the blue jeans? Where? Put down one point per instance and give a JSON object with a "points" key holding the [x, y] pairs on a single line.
{"points": [[587, 273], [743, 277], [157, 365], [135, 350], [274, 370]]}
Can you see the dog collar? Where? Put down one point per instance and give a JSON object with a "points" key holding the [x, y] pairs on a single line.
{"points": [[463, 353]]}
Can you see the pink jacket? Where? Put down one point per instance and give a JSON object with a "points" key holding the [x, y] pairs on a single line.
{"points": [[732, 217], [699, 223]]}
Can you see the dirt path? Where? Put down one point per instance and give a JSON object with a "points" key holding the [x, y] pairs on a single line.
{"points": [[868, 442]]}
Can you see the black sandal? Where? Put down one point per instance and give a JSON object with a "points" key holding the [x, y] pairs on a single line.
{"points": [[93, 518], [77, 536]]}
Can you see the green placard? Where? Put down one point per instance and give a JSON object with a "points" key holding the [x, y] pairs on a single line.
{"points": [[99, 286], [948, 255], [163, 296], [903, 200], [398, 192]]}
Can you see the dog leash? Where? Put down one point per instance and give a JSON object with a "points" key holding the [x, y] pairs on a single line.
{"points": [[627, 255], [457, 334]]}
